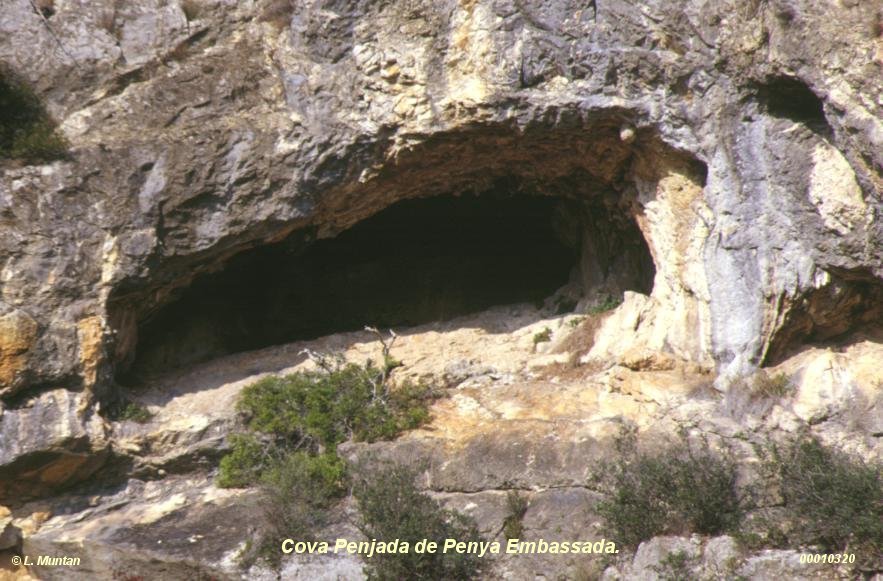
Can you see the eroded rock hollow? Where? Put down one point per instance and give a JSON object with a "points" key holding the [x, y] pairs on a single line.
{"points": [[511, 235], [418, 261]]}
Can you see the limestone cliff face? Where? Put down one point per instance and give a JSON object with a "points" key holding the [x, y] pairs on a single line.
{"points": [[744, 139]]}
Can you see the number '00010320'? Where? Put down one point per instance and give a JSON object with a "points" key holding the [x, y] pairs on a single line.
{"points": [[832, 558]]}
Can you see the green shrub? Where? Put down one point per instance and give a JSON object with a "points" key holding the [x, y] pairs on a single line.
{"points": [[543, 336], [675, 491], [26, 130], [833, 500], [317, 410], [135, 412], [297, 494], [513, 525], [392, 507], [330, 406], [246, 461], [675, 566], [294, 425]]}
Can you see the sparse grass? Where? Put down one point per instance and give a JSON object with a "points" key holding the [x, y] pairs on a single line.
{"points": [[513, 525], [833, 501], [575, 322], [771, 386], [756, 394], [580, 340], [392, 507], [27, 132], [677, 490], [135, 412], [543, 336], [608, 304]]}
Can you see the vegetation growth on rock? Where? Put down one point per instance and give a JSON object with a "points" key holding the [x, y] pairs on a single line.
{"points": [[135, 412], [392, 507], [513, 525], [294, 425], [27, 132], [833, 501], [678, 490]]}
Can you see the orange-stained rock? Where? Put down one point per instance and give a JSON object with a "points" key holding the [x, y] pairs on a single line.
{"points": [[18, 333]]}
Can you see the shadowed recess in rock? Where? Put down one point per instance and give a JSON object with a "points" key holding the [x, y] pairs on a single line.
{"points": [[417, 261], [790, 98], [849, 306]]}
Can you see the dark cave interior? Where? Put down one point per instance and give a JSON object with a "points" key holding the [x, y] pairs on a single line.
{"points": [[417, 261], [790, 98]]}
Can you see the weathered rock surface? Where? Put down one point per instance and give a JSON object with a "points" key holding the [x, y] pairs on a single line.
{"points": [[47, 444], [10, 536], [193, 139], [741, 143], [513, 420], [716, 558]]}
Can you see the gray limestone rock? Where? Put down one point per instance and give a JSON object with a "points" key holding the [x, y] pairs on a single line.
{"points": [[737, 146]]}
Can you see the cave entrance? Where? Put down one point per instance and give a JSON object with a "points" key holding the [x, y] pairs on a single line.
{"points": [[417, 261]]}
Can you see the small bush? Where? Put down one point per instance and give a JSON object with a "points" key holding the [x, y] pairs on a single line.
{"points": [[675, 491], [27, 132], [317, 410], [294, 425], [327, 407], [135, 412], [608, 304], [297, 494], [675, 566], [833, 500], [513, 525], [771, 386], [392, 507], [543, 336]]}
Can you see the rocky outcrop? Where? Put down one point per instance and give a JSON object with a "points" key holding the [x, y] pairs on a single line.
{"points": [[734, 145], [196, 137], [717, 558], [47, 444], [517, 417]]}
